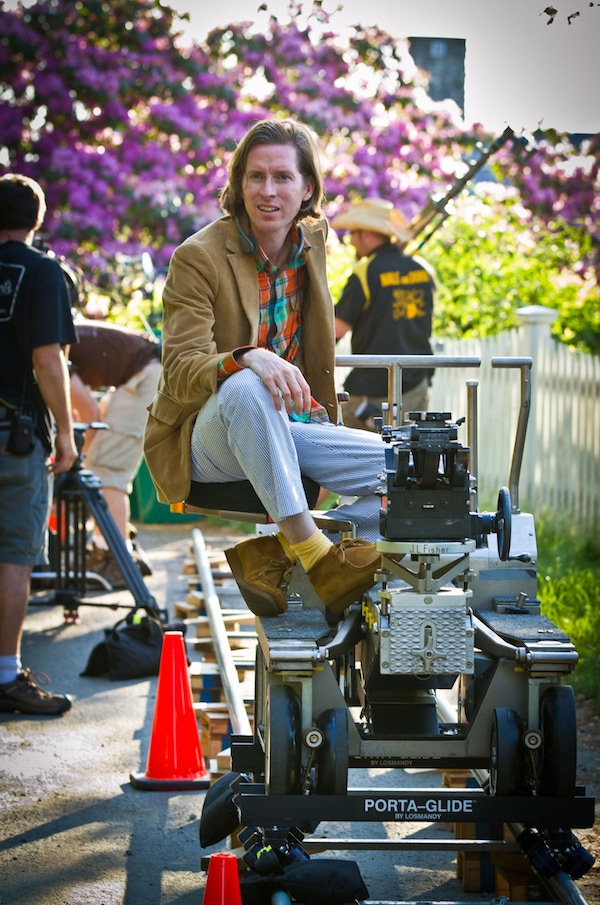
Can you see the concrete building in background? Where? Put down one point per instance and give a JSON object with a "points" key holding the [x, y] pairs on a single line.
{"points": [[444, 60]]}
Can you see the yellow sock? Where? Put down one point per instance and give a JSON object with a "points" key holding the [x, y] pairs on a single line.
{"points": [[287, 547], [311, 550]]}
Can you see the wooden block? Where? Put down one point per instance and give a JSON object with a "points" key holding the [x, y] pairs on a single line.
{"points": [[198, 671], [206, 682], [220, 765], [215, 728], [234, 843], [456, 779], [464, 831], [229, 590], [184, 610], [515, 878], [189, 566], [215, 771], [232, 619], [470, 872], [217, 710], [468, 864], [237, 641], [201, 626], [519, 887], [196, 598], [242, 617], [243, 658], [215, 732], [211, 696], [224, 760], [475, 869], [511, 861]]}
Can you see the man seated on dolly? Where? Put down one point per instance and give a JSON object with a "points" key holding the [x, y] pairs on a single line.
{"points": [[247, 385]]}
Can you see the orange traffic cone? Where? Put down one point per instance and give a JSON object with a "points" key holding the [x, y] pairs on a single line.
{"points": [[175, 760], [223, 881]]}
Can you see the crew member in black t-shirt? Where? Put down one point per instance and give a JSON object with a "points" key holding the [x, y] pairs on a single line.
{"points": [[36, 330], [387, 303]]}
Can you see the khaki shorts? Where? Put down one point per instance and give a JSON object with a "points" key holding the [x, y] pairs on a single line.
{"points": [[114, 455]]}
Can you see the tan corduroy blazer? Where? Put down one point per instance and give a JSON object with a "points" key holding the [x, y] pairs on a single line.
{"points": [[211, 307]]}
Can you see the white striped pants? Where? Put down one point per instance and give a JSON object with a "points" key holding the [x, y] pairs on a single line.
{"points": [[239, 434]]}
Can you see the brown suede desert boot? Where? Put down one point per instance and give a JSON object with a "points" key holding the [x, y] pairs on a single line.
{"points": [[345, 572], [262, 572]]}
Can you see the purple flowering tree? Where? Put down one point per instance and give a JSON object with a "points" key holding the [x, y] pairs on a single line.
{"points": [[129, 125]]}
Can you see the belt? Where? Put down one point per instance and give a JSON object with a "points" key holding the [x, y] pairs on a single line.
{"points": [[5, 416]]}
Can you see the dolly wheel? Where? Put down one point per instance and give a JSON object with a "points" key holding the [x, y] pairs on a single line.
{"points": [[283, 744], [558, 723], [503, 524], [507, 764], [332, 764]]}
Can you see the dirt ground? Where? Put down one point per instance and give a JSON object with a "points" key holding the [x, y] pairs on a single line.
{"points": [[588, 760]]}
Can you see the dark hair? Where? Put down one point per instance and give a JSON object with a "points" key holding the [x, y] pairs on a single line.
{"points": [[275, 132], [22, 202]]}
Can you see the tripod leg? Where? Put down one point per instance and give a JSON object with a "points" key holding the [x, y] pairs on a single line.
{"points": [[90, 487], [70, 549]]}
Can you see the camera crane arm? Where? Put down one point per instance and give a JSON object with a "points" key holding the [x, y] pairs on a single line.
{"points": [[436, 209]]}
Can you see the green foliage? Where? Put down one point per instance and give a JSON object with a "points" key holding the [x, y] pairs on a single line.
{"points": [[491, 258], [569, 590], [341, 259]]}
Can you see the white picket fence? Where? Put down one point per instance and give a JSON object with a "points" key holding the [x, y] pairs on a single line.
{"points": [[561, 459], [560, 469]]}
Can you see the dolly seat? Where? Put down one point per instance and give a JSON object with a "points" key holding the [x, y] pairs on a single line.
{"points": [[237, 500]]}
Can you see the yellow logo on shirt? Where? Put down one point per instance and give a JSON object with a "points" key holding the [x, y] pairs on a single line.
{"points": [[395, 278], [408, 304]]}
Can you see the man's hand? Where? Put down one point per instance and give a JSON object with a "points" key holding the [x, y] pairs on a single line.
{"points": [[284, 381], [65, 453], [50, 365]]}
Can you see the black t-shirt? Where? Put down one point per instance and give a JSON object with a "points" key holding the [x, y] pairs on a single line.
{"points": [[388, 302], [34, 311]]}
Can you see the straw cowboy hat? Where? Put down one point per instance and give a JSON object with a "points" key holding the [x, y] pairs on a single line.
{"points": [[375, 215]]}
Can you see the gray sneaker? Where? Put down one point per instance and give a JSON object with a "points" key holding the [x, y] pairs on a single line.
{"points": [[25, 696]]}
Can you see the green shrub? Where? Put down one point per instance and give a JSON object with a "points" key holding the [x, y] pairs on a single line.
{"points": [[569, 590]]}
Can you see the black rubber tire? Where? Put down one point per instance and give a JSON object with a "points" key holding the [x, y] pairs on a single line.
{"points": [[332, 758], [283, 745], [507, 753], [558, 723]]}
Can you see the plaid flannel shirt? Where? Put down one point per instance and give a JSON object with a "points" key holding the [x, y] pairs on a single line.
{"points": [[280, 294]]}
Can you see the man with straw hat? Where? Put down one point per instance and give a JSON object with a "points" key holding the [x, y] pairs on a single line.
{"points": [[387, 303]]}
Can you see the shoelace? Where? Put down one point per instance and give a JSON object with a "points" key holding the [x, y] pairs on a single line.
{"points": [[40, 677], [345, 544], [276, 565]]}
